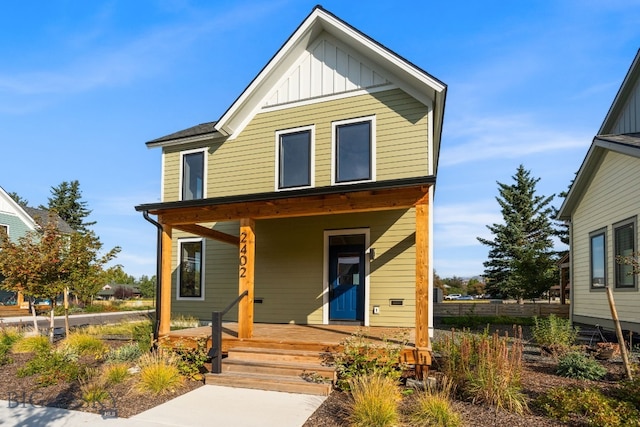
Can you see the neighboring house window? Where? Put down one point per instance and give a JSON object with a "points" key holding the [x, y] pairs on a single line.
{"points": [[598, 257], [354, 150], [191, 271], [4, 230], [193, 174], [624, 235], [294, 158]]}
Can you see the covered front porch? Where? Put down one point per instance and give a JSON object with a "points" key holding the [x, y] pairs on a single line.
{"points": [[195, 217]]}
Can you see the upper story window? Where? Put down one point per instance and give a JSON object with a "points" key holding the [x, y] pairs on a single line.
{"points": [[598, 258], [191, 269], [294, 158], [354, 150], [624, 234], [193, 175]]}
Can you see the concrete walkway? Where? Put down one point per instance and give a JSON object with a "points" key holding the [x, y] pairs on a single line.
{"points": [[205, 406]]}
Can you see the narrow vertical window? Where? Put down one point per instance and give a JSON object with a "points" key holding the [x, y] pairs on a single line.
{"points": [[193, 176], [624, 241], [294, 153], [598, 258], [353, 151], [191, 269]]}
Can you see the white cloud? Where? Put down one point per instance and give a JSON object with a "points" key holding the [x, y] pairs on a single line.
{"points": [[476, 139], [459, 225]]}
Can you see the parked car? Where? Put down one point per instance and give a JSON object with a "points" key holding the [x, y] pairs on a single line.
{"points": [[465, 297], [452, 296]]}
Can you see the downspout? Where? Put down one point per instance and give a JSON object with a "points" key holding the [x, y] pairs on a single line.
{"points": [[156, 325]]}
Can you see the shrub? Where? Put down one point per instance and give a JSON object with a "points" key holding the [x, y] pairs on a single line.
{"points": [[129, 352], [94, 391], [554, 334], [51, 367], [190, 361], [577, 365], [482, 321], [158, 373], [85, 344], [629, 390], [432, 407], [485, 368], [32, 344], [587, 406], [360, 357], [7, 338], [375, 401]]}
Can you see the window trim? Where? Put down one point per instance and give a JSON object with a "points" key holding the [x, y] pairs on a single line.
{"points": [[312, 156], [334, 148], [616, 268], [204, 171], [202, 268], [600, 232], [6, 226]]}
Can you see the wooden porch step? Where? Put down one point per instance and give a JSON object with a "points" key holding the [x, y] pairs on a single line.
{"points": [[275, 355], [283, 383], [279, 368]]}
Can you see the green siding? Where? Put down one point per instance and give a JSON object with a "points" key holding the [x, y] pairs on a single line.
{"points": [[289, 268], [246, 165], [17, 228]]}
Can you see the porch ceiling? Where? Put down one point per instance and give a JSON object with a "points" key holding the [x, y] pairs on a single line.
{"points": [[336, 200]]}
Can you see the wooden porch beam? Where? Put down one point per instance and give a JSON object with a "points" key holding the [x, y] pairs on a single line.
{"points": [[165, 281], [246, 275], [422, 284], [209, 233], [360, 201]]}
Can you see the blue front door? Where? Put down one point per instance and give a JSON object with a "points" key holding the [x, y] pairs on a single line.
{"points": [[346, 282]]}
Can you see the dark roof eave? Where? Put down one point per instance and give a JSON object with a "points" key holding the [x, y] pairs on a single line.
{"points": [[306, 192]]}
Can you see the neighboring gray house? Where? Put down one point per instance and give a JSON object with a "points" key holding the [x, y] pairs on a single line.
{"points": [[603, 206]]}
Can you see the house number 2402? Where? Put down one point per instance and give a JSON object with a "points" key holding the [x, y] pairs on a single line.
{"points": [[243, 255]]}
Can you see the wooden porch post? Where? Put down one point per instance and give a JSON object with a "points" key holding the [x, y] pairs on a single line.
{"points": [[165, 282], [246, 277], [422, 284]]}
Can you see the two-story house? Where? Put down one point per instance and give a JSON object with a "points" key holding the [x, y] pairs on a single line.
{"points": [[313, 192], [602, 208]]}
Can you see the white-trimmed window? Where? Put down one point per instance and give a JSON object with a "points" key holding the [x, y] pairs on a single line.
{"points": [[598, 258], [624, 241], [4, 231], [354, 150], [192, 174], [191, 269], [295, 158]]}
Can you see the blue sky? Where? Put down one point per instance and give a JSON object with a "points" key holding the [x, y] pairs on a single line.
{"points": [[83, 85]]}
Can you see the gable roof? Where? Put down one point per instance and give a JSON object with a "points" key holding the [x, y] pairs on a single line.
{"points": [[628, 144], [383, 67], [607, 140], [31, 217], [626, 91]]}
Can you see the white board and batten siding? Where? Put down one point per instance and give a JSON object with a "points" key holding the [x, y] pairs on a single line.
{"points": [[327, 68], [612, 196]]}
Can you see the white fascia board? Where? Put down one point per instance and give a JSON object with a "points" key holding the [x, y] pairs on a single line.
{"points": [[408, 77], [18, 211]]}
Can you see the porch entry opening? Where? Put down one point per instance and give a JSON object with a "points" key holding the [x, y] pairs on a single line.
{"points": [[346, 277]]}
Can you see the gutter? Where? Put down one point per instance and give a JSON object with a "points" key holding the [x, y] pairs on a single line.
{"points": [[156, 324]]}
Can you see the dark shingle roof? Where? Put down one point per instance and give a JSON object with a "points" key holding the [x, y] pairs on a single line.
{"points": [[41, 216], [201, 129], [630, 139]]}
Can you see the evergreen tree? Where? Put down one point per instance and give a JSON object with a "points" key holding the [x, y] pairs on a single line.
{"points": [[19, 200], [522, 263], [66, 202]]}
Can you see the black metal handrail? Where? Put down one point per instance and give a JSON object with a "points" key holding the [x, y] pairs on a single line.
{"points": [[215, 353]]}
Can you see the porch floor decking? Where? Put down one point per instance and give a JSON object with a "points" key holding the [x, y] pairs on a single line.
{"points": [[312, 337]]}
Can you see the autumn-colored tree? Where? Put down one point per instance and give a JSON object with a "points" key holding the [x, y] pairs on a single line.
{"points": [[46, 262]]}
